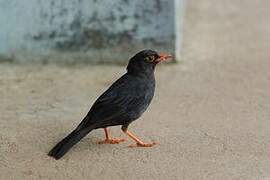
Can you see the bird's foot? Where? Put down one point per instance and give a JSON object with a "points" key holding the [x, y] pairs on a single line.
{"points": [[112, 141], [142, 145]]}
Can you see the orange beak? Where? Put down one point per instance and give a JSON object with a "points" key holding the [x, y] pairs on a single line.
{"points": [[163, 57]]}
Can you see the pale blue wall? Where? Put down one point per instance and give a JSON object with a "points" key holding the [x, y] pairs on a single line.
{"points": [[84, 30]]}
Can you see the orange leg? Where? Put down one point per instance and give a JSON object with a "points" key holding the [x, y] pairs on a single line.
{"points": [[109, 140], [139, 143]]}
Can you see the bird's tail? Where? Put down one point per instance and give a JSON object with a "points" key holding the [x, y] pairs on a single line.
{"points": [[63, 146]]}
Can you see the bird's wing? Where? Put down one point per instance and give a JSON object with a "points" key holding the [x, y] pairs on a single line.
{"points": [[112, 105]]}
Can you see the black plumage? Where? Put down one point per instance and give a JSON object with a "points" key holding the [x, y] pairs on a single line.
{"points": [[124, 101]]}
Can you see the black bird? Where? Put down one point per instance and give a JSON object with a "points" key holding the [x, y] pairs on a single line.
{"points": [[124, 101]]}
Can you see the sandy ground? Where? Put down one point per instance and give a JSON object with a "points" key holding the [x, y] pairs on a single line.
{"points": [[211, 113]]}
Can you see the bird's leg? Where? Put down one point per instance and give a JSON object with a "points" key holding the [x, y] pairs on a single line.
{"points": [[109, 140], [139, 143]]}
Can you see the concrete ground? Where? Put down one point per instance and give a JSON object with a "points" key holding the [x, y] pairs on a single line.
{"points": [[210, 115]]}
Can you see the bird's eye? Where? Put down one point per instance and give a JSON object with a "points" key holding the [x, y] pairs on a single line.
{"points": [[150, 58]]}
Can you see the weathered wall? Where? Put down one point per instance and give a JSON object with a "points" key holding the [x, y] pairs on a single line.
{"points": [[84, 30]]}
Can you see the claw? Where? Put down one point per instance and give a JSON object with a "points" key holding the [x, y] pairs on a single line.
{"points": [[142, 145], [112, 141]]}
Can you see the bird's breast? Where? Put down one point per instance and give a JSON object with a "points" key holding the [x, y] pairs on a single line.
{"points": [[144, 92]]}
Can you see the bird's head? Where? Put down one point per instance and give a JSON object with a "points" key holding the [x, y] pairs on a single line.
{"points": [[145, 61]]}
